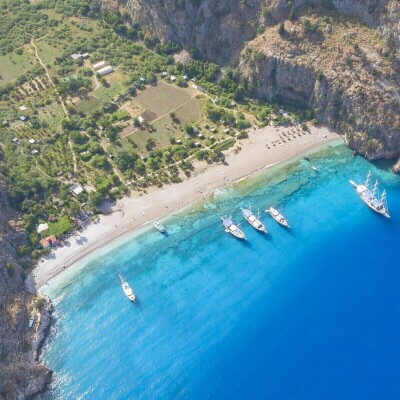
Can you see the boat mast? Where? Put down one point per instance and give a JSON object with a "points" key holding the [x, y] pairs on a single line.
{"points": [[368, 178], [384, 200], [375, 188]]}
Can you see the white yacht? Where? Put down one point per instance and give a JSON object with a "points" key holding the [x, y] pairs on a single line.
{"points": [[159, 227], [370, 196], [253, 220], [279, 218], [127, 289], [233, 229]]}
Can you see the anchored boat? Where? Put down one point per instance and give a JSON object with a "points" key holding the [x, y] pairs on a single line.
{"points": [[279, 218], [370, 196], [253, 220], [127, 289], [233, 229], [159, 227]]}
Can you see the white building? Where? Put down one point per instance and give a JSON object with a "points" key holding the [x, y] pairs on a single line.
{"points": [[76, 189], [140, 119], [76, 56], [22, 108], [105, 71], [173, 78], [98, 65]]}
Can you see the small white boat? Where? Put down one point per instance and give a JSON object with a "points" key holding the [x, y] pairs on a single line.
{"points": [[233, 229], [314, 168], [279, 218], [127, 289], [253, 220], [159, 227]]}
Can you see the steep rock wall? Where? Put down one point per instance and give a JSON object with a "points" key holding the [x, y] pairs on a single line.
{"points": [[21, 377]]}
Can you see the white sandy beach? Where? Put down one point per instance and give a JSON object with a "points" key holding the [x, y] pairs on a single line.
{"points": [[132, 212]]}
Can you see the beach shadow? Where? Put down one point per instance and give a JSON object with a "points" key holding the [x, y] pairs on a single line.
{"points": [[81, 240], [49, 256], [107, 207]]}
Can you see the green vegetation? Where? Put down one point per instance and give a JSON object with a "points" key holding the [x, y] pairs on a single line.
{"points": [[13, 65], [128, 130]]}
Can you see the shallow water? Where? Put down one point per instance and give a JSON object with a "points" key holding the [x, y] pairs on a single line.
{"points": [[309, 313]]}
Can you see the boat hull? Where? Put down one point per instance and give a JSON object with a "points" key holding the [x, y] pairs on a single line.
{"points": [[369, 205], [365, 195], [231, 228], [279, 218], [256, 227], [159, 227], [236, 235]]}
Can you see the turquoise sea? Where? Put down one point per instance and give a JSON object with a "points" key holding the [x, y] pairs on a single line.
{"points": [[310, 313]]}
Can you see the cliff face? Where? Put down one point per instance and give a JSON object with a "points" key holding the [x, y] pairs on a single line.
{"points": [[344, 64], [345, 73], [220, 28], [21, 377]]}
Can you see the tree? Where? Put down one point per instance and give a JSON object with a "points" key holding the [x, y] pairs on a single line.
{"points": [[281, 28], [95, 199], [189, 130]]}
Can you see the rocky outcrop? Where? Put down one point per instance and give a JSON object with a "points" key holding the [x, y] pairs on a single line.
{"points": [[217, 29], [396, 167], [21, 376], [343, 74], [221, 28]]}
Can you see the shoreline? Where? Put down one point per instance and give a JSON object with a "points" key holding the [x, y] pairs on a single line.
{"points": [[259, 152]]}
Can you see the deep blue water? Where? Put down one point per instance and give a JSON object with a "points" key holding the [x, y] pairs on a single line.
{"points": [[311, 313]]}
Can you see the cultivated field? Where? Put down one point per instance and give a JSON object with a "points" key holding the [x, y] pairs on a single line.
{"points": [[189, 112], [162, 98]]}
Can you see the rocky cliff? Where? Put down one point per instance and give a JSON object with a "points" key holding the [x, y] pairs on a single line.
{"points": [[345, 73], [21, 376], [339, 58]]}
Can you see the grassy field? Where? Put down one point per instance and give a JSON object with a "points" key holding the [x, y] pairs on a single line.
{"points": [[116, 87], [89, 105], [53, 114], [13, 65], [162, 98], [47, 53]]}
